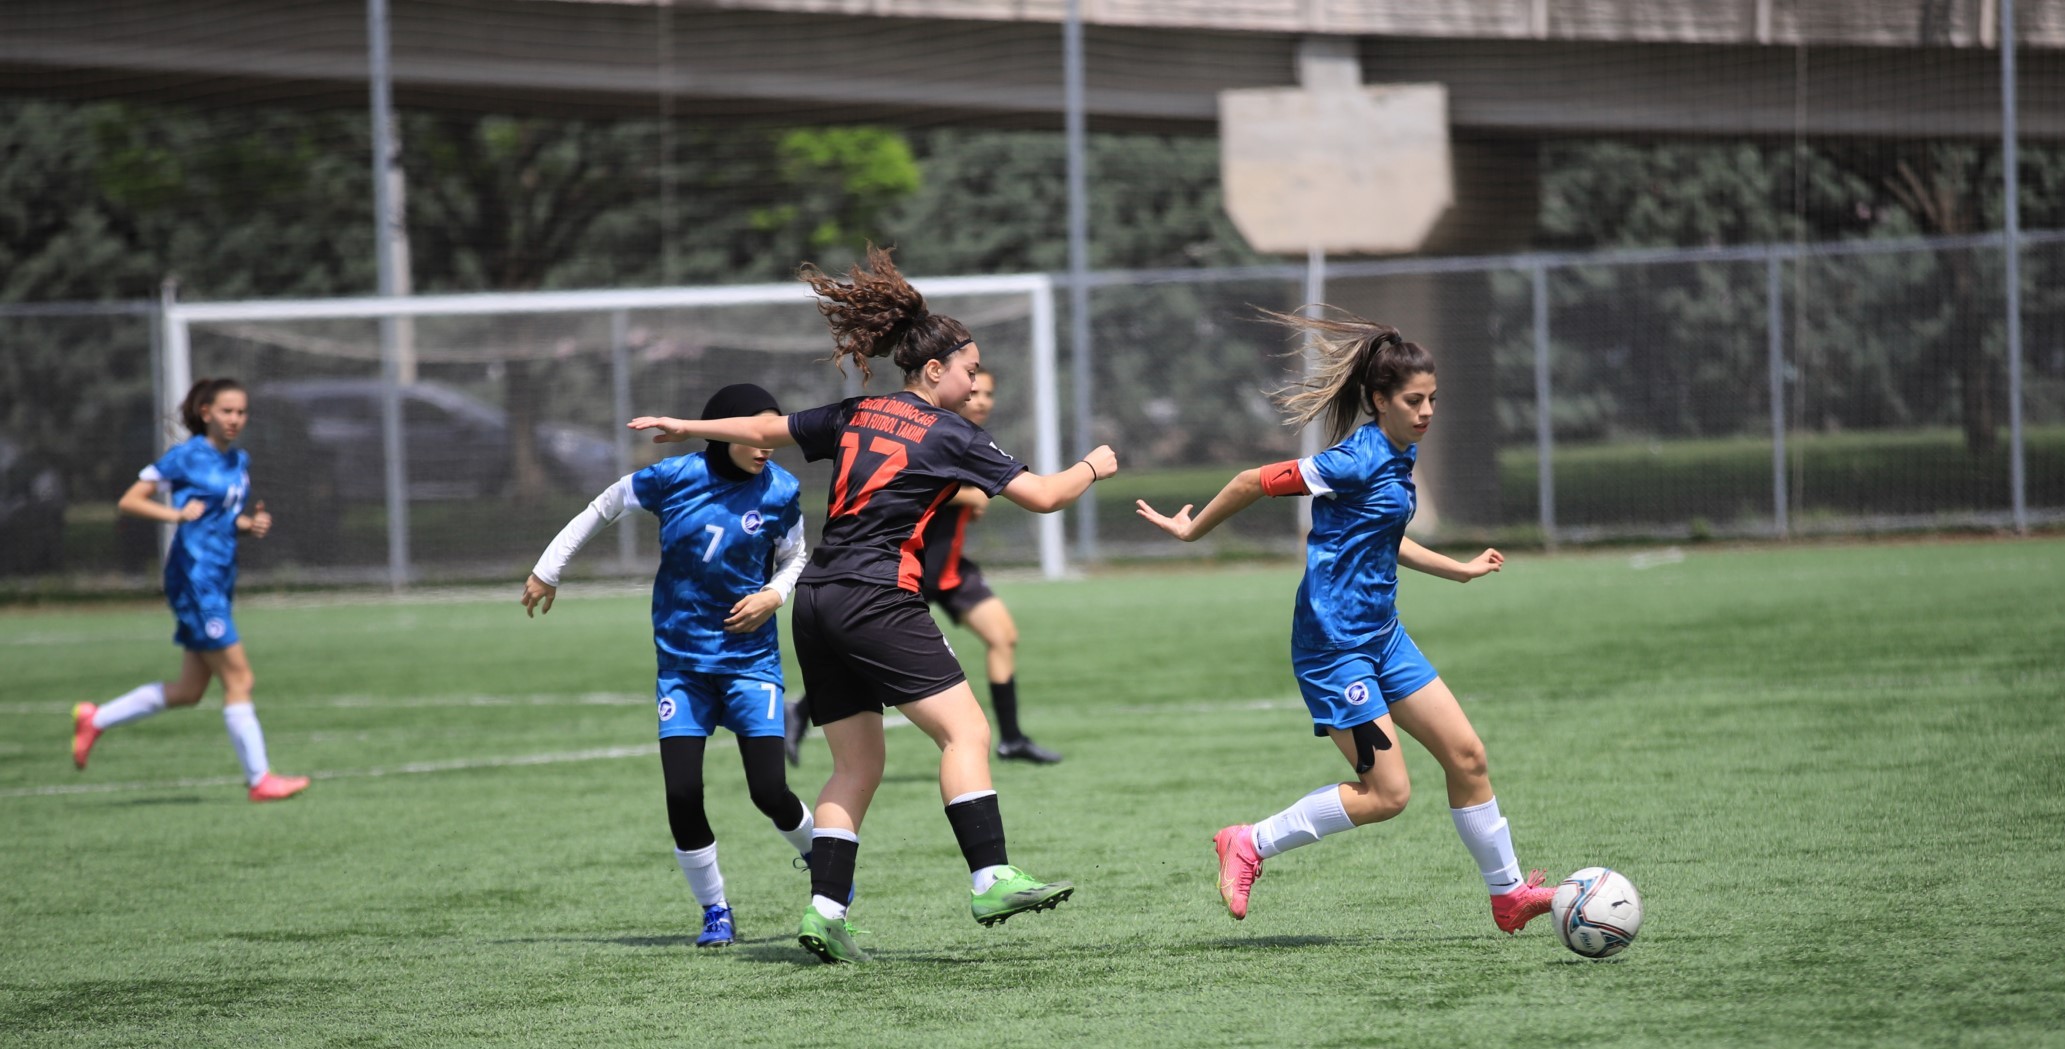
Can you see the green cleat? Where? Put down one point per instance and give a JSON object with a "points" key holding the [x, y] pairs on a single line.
{"points": [[831, 939], [1015, 893]]}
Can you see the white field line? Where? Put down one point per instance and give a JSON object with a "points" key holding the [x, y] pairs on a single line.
{"points": [[415, 768], [588, 699]]}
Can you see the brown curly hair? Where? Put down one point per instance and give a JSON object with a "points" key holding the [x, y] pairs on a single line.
{"points": [[876, 313], [1360, 362]]}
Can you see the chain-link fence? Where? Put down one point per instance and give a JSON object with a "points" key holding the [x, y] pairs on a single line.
{"points": [[1750, 392]]}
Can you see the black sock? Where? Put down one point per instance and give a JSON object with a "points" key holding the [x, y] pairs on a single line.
{"points": [[831, 867], [1003, 698], [979, 827]]}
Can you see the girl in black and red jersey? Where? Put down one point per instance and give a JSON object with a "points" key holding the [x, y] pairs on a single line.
{"points": [[864, 637]]}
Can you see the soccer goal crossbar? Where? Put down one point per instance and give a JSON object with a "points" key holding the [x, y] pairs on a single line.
{"points": [[175, 373]]}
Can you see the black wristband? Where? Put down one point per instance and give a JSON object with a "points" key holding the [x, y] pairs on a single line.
{"points": [[1093, 471]]}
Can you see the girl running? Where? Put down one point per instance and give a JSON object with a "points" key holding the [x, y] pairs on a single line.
{"points": [[731, 547], [864, 637], [207, 481], [1361, 675]]}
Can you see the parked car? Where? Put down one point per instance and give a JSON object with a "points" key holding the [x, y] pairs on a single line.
{"points": [[457, 446], [32, 511]]}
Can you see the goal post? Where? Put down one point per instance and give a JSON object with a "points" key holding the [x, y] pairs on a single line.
{"points": [[332, 338]]}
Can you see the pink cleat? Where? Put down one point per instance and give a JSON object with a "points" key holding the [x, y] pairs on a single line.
{"points": [[1239, 866], [1513, 910], [83, 733], [275, 788]]}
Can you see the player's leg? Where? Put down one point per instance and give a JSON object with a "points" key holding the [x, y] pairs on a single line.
{"points": [[90, 720], [795, 726], [858, 755], [690, 707], [754, 712], [991, 621], [1432, 716], [240, 718]]}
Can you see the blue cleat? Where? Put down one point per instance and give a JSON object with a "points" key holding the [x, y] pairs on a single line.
{"points": [[717, 928]]}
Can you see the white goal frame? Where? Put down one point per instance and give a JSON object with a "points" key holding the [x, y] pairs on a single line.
{"points": [[176, 370]]}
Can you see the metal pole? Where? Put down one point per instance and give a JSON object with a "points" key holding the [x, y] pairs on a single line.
{"points": [[2017, 480], [1544, 440], [384, 226], [620, 402], [1774, 337], [1079, 264], [1315, 295], [1047, 428], [173, 372]]}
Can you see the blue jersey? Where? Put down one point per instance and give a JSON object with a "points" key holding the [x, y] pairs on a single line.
{"points": [[1363, 495], [717, 543], [204, 551]]}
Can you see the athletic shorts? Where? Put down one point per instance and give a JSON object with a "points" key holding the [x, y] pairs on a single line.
{"points": [[693, 703], [1345, 687], [204, 622], [864, 647], [962, 599]]}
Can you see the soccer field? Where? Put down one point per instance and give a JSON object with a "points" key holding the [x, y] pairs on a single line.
{"points": [[1837, 773]]}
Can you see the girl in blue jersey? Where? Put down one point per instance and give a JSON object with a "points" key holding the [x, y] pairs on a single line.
{"points": [[864, 637], [731, 547], [1362, 677], [207, 481]]}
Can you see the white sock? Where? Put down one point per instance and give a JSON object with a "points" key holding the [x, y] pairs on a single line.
{"points": [[248, 739], [827, 908], [986, 877], [799, 836], [134, 705], [699, 866], [1309, 819], [1485, 834]]}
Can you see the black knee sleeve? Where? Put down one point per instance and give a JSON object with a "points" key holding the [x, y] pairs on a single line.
{"points": [[681, 763]]}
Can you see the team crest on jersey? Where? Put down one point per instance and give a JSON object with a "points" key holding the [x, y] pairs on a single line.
{"points": [[1357, 694], [666, 707], [215, 628], [751, 522]]}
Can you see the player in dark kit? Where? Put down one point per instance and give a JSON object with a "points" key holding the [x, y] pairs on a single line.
{"points": [[954, 582], [864, 637]]}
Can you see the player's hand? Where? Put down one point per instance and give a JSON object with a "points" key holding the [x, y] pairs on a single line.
{"points": [[1178, 526], [752, 611], [1483, 564], [1103, 460], [672, 430], [193, 510], [537, 597], [258, 522]]}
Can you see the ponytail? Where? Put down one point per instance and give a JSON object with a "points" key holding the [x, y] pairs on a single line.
{"points": [[876, 313], [201, 396], [1360, 362]]}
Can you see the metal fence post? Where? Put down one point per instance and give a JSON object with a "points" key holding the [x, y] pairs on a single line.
{"points": [[620, 402], [1079, 264], [1308, 438], [1774, 321], [2012, 188], [1544, 439]]}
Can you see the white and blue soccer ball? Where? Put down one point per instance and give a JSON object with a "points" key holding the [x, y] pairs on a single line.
{"points": [[1597, 912]]}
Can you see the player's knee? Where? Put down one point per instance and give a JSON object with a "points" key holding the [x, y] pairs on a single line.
{"points": [[184, 695], [1468, 760], [1367, 803]]}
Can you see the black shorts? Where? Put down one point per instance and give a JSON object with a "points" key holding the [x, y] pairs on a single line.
{"points": [[962, 599], [864, 647]]}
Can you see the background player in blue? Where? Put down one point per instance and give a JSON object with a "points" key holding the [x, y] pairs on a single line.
{"points": [[864, 637], [1359, 672], [207, 481], [731, 547]]}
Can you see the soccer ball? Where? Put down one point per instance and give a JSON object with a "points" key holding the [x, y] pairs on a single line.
{"points": [[1597, 912]]}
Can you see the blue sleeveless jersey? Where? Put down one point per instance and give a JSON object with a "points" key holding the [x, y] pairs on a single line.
{"points": [[1363, 495], [717, 543], [203, 559]]}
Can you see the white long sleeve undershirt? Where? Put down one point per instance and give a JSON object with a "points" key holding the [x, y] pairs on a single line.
{"points": [[790, 553]]}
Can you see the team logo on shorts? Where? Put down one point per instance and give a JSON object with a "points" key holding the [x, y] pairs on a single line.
{"points": [[215, 628], [666, 707], [750, 521], [1357, 694]]}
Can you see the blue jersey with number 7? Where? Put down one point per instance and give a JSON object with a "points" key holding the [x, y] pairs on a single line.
{"points": [[717, 544]]}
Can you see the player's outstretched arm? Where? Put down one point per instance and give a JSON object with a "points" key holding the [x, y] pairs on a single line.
{"points": [[1420, 559], [1239, 494], [1046, 493], [753, 431], [543, 585]]}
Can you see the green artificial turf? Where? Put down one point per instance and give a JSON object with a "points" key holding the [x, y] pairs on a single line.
{"points": [[1837, 773]]}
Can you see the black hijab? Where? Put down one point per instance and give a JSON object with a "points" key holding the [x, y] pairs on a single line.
{"points": [[732, 402]]}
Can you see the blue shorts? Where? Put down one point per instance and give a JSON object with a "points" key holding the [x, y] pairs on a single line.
{"points": [[204, 620], [1345, 687], [693, 703]]}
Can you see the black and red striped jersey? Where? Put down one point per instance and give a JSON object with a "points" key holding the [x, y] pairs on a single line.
{"points": [[943, 541], [899, 459]]}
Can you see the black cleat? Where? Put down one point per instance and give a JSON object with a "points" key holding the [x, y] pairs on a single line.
{"points": [[795, 725], [1024, 749]]}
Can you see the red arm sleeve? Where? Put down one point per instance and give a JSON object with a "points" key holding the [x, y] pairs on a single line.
{"points": [[1284, 478]]}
